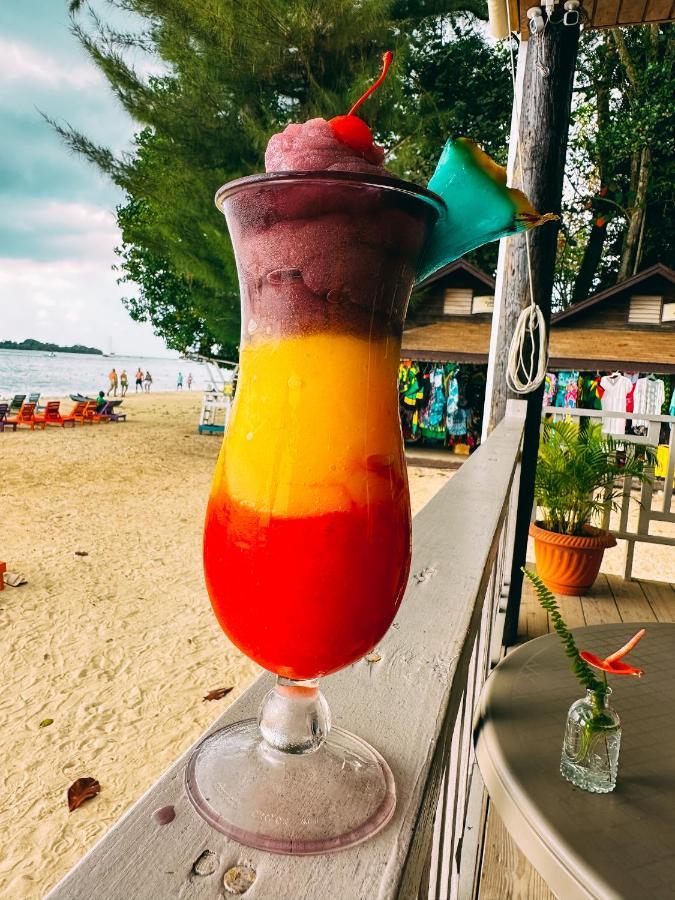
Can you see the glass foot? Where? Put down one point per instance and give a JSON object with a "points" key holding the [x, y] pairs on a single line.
{"points": [[290, 802]]}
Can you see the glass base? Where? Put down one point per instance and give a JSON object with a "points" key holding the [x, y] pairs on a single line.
{"points": [[301, 803]]}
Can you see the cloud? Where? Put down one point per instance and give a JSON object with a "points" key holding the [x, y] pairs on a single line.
{"points": [[20, 62], [69, 301], [56, 229]]}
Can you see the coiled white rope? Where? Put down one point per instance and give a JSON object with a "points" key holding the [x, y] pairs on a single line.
{"points": [[524, 376]]}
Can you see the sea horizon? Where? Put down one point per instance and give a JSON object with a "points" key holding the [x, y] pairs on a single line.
{"points": [[26, 371]]}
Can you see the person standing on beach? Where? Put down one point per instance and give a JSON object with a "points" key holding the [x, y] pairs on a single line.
{"points": [[112, 379], [124, 381], [189, 381], [179, 382], [148, 382], [139, 379]]}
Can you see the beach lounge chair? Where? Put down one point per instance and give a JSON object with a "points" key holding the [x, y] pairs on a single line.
{"points": [[16, 403], [108, 413], [25, 416], [52, 416], [77, 412], [90, 415], [4, 407]]}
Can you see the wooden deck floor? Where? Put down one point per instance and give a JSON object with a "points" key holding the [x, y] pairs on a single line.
{"points": [[506, 874]]}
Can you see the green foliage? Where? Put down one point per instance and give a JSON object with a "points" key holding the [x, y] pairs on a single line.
{"points": [[32, 344], [579, 472], [580, 668], [622, 106], [227, 76]]}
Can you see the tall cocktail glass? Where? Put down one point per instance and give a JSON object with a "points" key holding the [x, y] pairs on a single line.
{"points": [[307, 537]]}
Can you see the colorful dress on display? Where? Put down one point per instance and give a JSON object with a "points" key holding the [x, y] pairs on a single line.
{"points": [[410, 392], [550, 383], [456, 421], [433, 418], [616, 388], [590, 392], [567, 390]]}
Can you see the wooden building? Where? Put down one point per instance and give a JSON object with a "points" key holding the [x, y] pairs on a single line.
{"points": [[630, 326], [596, 14]]}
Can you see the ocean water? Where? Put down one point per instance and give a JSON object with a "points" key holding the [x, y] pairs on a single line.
{"points": [[24, 371]]}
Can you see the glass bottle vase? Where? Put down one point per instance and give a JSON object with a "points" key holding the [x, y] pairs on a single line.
{"points": [[590, 753]]}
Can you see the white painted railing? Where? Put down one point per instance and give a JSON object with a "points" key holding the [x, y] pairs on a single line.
{"points": [[414, 705], [647, 514]]}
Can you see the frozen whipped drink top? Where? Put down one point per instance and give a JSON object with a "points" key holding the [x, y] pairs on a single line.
{"points": [[314, 146]]}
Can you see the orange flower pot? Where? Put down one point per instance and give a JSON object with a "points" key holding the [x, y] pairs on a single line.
{"points": [[567, 563]]}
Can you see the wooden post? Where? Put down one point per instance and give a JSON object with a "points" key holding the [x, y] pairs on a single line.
{"points": [[547, 80]]}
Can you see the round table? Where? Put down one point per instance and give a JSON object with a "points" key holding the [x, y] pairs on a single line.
{"points": [[618, 845]]}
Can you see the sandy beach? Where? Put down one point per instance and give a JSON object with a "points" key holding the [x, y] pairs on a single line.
{"points": [[113, 636]]}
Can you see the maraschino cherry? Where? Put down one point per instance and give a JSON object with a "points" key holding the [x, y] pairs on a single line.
{"points": [[353, 131]]}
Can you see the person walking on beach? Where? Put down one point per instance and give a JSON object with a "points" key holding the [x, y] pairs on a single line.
{"points": [[124, 381], [189, 381], [179, 382], [148, 382], [112, 379], [139, 379]]}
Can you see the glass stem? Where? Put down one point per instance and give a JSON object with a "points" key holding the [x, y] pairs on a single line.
{"points": [[294, 716]]}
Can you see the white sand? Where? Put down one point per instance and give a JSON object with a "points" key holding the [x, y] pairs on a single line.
{"points": [[119, 646]]}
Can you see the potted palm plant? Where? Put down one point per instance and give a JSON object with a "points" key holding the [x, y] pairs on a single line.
{"points": [[579, 471]]}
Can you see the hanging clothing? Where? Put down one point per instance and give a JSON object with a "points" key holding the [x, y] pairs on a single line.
{"points": [[648, 398], [456, 416], [616, 388], [566, 392], [550, 383], [432, 419], [590, 392]]}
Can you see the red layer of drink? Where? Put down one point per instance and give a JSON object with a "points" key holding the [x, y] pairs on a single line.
{"points": [[308, 595]]}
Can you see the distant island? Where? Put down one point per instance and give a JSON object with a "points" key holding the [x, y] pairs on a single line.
{"points": [[30, 344]]}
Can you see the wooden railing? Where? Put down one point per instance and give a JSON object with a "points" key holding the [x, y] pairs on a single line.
{"points": [[646, 512], [414, 705]]}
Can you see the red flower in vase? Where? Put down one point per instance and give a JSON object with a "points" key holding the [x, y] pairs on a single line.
{"points": [[612, 663]]}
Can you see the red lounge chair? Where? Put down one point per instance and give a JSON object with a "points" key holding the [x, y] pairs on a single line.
{"points": [[77, 412], [26, 416], [4, 407], [52, 416], [90, 415]]}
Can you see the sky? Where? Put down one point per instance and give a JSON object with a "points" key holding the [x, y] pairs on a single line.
{"points": [[57, 222]]}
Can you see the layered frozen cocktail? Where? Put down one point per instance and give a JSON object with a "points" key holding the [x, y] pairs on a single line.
{"points": [[307, 538], [307, 541]]}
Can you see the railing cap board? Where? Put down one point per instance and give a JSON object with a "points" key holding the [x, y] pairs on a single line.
{"points": [[400, 704]]}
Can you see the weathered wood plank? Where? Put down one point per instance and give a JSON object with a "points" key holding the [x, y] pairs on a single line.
{"points": [[659, 11], [631, 11], [399, 704], [661, 598], [536, 616], [605, 13], [506, 872], [599, 604], [571, 610], [630, 599]]}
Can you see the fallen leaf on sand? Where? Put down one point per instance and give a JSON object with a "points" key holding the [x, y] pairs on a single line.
{"points": [[373, 657], [81, 790], [218, 694], [81, 553], [45, 722]]}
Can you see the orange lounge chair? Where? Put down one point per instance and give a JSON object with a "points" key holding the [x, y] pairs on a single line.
{"points": [[25, 416], [52, 416], [90, 415], [77, 412]]}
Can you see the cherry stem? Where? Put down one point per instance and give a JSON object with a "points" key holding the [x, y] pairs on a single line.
{"points": [[386, 62]]}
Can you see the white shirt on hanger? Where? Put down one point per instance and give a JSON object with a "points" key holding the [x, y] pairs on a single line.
{"points": [[648, 398], [616, 388]]}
